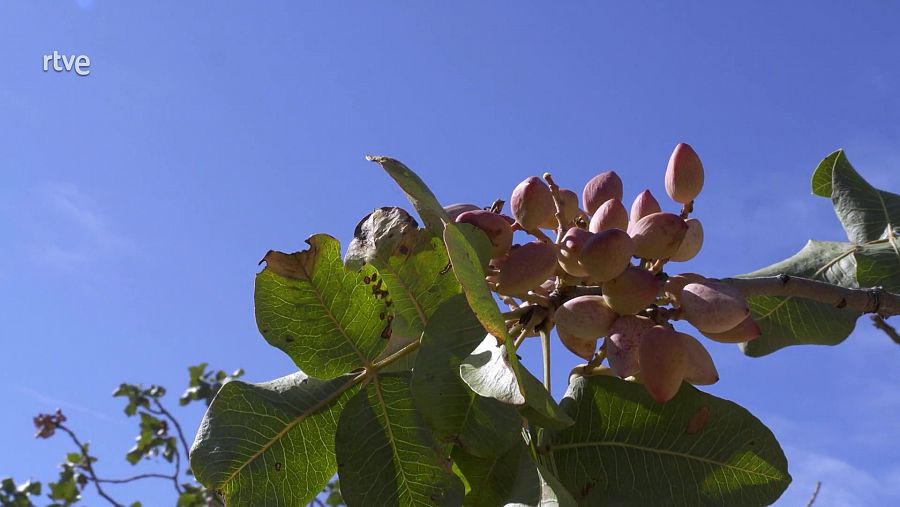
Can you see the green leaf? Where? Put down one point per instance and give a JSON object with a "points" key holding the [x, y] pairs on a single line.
{"points": [[417, 192], [463, 246], [481, 426], [490, 373], [696, 449], [411, 263], [386, 456], [878, 265], [327, 319], [271, 443], [865, 212], [490, 370], [511, 479], [787, 321]]}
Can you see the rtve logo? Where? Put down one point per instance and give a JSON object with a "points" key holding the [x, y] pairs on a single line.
{"points": [[81, 63]]}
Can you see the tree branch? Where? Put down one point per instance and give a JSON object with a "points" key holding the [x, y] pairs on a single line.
{"points": [[88, 465], [873, 300], [879, 323], [170, 417]]}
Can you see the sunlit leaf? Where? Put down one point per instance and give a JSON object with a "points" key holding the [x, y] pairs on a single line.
{"points": [[271, 443], [327, 319], [386, 455], [479, 425], [626, 449]]}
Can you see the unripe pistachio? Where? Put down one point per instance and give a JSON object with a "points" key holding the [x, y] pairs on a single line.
{"points": [[601, 188], [455, 210], [606, 255], [582, 348], [684, 175], [747, 330], [663, 362], [644, 204], [623, 344], [658, 235], [699, 367], [527, 267], [631, 292], [532, 203], [585, 317], [498, 231], [675, 283], [570, 209], [713, 307], [570, 249], [692, 242], [610, 215]]}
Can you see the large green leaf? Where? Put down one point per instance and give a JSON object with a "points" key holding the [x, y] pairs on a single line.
{"points": [[865, 211], [417, 192], [510, 479], [327, 319], [696, 449], [491, 371], [385, 454], [786, 321], [271, 443], [480, 426], [878, 264]]}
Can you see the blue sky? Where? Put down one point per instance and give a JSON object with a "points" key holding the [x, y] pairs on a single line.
{"points": [[136, 201]]}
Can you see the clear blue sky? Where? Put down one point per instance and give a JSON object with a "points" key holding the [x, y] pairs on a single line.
{"points": [[135, 202]]}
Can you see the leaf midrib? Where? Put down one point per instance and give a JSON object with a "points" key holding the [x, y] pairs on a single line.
{"points": [[297, 420], [338, 326], [667, 452]]}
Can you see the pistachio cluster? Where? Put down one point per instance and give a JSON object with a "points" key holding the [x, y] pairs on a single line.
{"points": [[602, 277]]}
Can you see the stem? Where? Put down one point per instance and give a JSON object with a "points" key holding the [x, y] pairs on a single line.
{"points": [[175, 423], [135, 478], [539, 234], [88, 465], [815, 494], [879, 323], [560, 207], [397, 355], [545, 352]]}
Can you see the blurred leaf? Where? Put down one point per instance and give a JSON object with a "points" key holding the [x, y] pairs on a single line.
{"points": [[481, 426], [417, 192], [696, 449], [385, 454], [204, 385], [327, 319], [865, 211], [272, 443], [786, 321], [153, 440], [12, 495]]}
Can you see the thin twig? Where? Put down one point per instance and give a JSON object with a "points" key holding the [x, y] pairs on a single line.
{"points": [[89, 466], [815, 494], [545, 353], [170, 417], [135, 478], [560, 207], [879, 322]]}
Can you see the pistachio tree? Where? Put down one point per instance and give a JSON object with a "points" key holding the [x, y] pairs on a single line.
{"points": [[410, 387]]}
